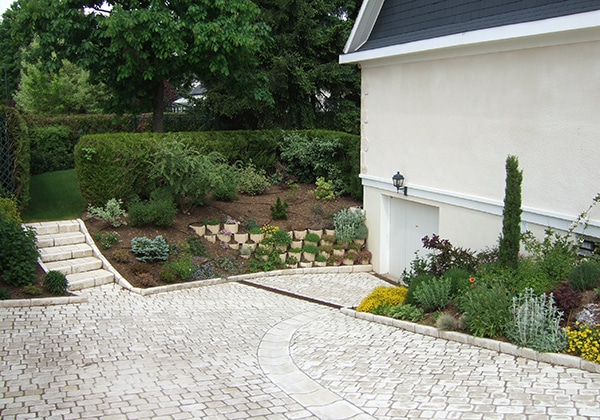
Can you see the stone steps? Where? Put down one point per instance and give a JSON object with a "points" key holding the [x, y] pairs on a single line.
{"points": [[65, 246]]}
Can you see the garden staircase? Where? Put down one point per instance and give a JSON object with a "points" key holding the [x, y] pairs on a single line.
{"points": [[66, 246]]}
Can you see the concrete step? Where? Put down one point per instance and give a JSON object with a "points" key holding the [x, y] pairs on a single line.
{"points": [[50, 228], [78, 281], [65, 252], [59, 239], [77, 265]]}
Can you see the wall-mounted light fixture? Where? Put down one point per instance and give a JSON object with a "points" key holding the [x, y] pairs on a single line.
{"points": [[398, 181]]}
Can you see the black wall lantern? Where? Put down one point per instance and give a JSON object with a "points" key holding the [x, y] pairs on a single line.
{"points": [[398, 180]]}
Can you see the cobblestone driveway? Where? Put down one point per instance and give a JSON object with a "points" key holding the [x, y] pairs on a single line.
{"points": [[232, 351]]}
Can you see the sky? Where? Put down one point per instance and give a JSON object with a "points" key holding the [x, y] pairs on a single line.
{"points": [[5, 4]]}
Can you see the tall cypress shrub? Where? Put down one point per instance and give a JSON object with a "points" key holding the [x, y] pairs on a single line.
{"points": [[510, 241]]}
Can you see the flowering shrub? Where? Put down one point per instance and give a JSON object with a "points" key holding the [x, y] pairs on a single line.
{"points": [[382, 296], [584, 341], [269, 229]]}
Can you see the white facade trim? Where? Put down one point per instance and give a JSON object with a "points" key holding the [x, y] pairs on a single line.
{"points": [[539, 29], [534, 216]]}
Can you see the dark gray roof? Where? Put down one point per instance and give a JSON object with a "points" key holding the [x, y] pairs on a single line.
{"points": [[402, 21]]}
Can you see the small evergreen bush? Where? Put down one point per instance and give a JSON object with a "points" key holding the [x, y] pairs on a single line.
{"points": [[150, 250], [279, 210], [121, 256], [415, 282], [55, 282], [111, 213], [382, 295], [10, 210], [535, 323], [433, 294], [183, 267], [585, 276], [32, 289], [197, 248], [4, 294]]}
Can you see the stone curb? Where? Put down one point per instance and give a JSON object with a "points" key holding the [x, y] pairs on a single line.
{"points": [[26, 303], [559, 359]]}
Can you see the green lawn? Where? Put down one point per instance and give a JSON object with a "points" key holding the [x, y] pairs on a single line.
{"points": [[54, 196]]}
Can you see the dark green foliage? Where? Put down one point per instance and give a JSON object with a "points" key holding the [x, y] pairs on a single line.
{"points": [[168, 276], [196, 246], [281, 238], [160, 210], [459, 280], [116, 165], [279, 210], [4, 293], [252, 181], [19, 146], [51, 149], [413, 284], [486, 308], [434, 294], [182, 267], [150, 250], [56, 282], [18, 253], [510, 241], [531, 274], [225, 183], [406, 312], [273, 262], [555, 254], [585, 276]]}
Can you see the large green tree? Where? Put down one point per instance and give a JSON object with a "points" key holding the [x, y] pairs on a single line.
{"points": [[10, 59], [300, 83], [135, 46]]}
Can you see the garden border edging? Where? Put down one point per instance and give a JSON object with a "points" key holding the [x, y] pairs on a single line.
{"points": [[560, 359]]}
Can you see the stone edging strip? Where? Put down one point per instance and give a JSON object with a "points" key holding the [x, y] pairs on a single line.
{"points": [[559, 359], [26, 303]]}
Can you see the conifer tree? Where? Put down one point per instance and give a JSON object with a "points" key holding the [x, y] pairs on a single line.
{"points": [[510, 241]]}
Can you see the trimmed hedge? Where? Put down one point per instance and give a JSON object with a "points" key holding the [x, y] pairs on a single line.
{"points": [[117, 165], [51, 149], [18, 145]]}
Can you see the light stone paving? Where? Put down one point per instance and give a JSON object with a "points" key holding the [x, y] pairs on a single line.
{"points": [[231, 351]]}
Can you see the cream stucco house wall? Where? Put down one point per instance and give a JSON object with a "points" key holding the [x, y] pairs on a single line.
{"points": [[445, 110]]}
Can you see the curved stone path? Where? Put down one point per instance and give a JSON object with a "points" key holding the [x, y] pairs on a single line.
{"points": [[231, 351]]}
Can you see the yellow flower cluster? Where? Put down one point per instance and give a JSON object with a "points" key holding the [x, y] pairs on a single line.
{"points": [[584, 341], [383, 295], [268, 230]]}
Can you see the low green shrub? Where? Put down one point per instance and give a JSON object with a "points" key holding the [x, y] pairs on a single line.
{"points": [[108, 239], [535, 323], [415, 282], [150, 250], [55, 282], [446, 322], [225, 182], [347, 222], [160, 210], [406, 312], [17, 140], [18, 253], [585, 276], [196, 246], [486, 309], [183, 267], [433, 294], [556, 254], [252, 181], [459, 278], [530, 274], [324, 190], [381, 296], [168, 276], [312, 237], [111, 213], [121, 256], [32, 290]]}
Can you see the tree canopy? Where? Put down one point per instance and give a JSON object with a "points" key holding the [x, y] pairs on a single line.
{"points": [[300, 83], [135, 46]]}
